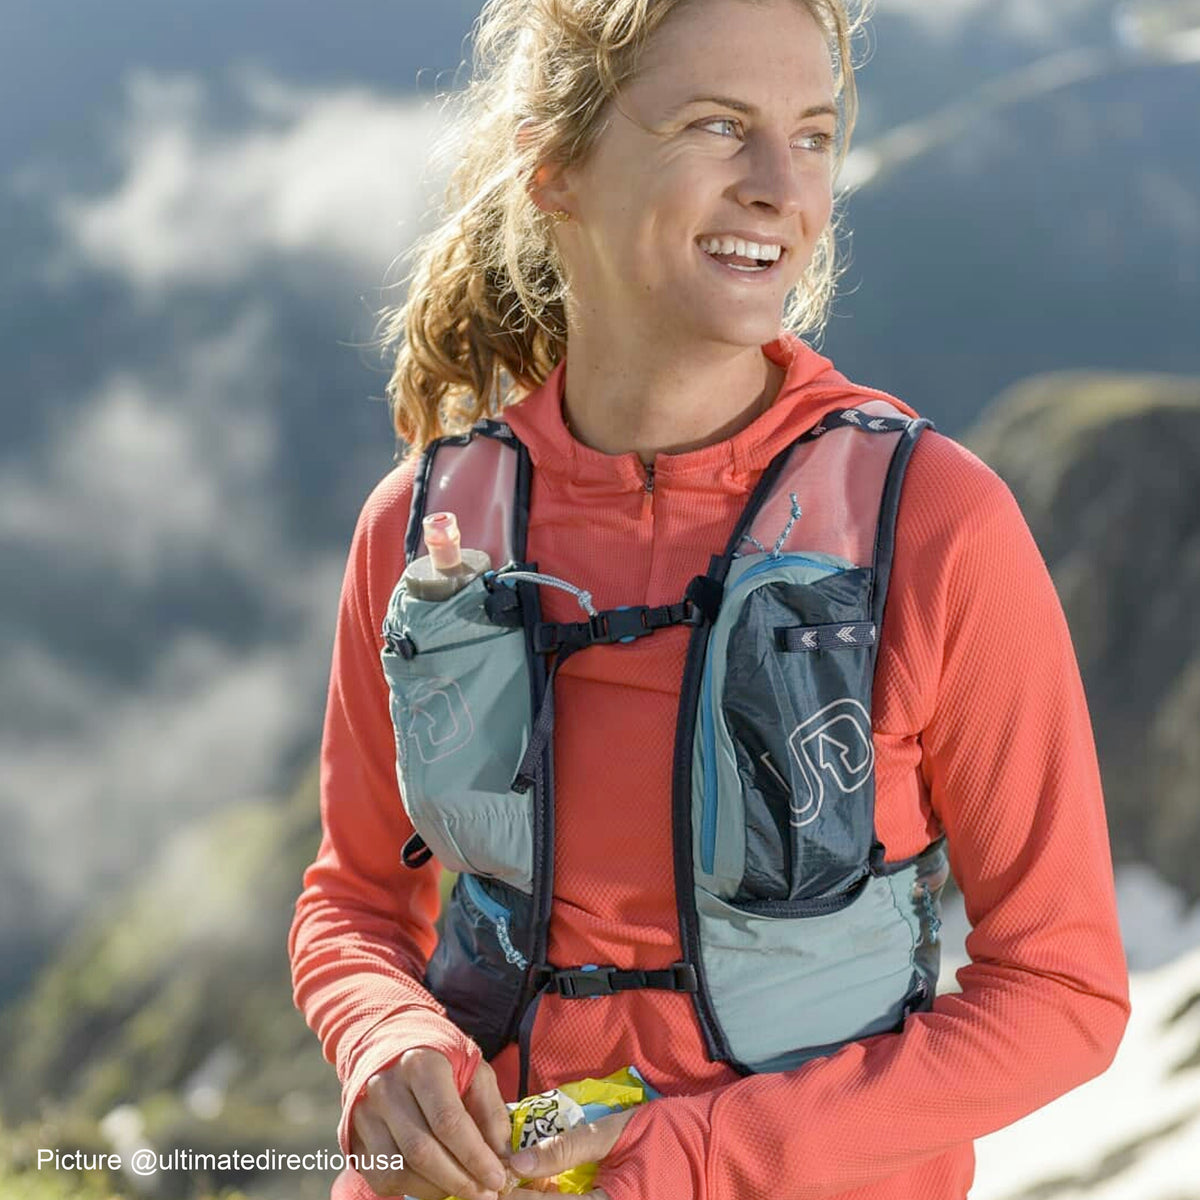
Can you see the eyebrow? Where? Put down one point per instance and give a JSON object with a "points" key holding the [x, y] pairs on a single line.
{"points": [[815, 110]]}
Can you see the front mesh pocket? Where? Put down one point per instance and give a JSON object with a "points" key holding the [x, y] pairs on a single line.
{"points": [[787, 823], [801, 733]]}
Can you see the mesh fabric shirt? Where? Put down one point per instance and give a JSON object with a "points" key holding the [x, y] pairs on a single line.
{"points": [[977, 694]]}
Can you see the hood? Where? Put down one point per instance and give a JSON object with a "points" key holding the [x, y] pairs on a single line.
{"points": [[811, 388]]}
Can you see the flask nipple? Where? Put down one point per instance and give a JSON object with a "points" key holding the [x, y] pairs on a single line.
{"points": [[443, 540], [447, 568]]}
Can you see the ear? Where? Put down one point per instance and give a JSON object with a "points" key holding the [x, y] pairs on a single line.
{"points": [[547, 187]]}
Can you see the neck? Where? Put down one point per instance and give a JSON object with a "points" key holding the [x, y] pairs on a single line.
{"points": [[639, 398]]}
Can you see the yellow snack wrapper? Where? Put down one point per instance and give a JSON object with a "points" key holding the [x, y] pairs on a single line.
{"points": [[545, 1114]]}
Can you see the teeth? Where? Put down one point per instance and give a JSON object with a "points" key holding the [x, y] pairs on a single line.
{"points": [[768, 251]]}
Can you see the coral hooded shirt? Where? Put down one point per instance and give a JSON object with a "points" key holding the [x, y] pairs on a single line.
{"points": [[977, 694]]}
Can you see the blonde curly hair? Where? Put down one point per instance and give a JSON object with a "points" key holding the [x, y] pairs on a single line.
{"points": [[485, 307]]}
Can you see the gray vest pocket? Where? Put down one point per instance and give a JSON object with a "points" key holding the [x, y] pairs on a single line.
{"points": [[460, 705], [781, 998]]}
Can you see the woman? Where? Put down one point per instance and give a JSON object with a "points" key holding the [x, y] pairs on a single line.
{"points": [[648, 186]]}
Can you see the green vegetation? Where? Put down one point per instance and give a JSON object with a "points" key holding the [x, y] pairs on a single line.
{"points": [[21, 1180], [176, 1001]]}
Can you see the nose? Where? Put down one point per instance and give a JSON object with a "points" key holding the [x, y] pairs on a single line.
{"points": [[772, 175]]}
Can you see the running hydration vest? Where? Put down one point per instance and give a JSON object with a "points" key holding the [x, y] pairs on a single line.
{"points": [[797, 937]]}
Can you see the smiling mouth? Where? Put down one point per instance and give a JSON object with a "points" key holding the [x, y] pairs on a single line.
{"points": [[739, 265]]}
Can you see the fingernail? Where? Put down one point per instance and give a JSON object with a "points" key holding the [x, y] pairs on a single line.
{"points": [[525, 1161], [496, 1179]]}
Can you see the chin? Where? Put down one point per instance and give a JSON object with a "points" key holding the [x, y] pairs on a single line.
{"points": [[750, 332]]}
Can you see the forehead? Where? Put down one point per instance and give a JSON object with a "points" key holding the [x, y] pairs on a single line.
{"points": [[768, 50]]}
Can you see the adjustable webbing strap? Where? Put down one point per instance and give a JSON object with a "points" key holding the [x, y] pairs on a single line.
{"points": [[543, 727], [612, 625], [568, 637]]}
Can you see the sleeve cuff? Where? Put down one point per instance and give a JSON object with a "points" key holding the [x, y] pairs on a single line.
{"points": [[663, 1148], [388, 1041]]}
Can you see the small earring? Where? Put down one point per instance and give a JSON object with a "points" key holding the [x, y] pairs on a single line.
{"points": [[560, 215]]}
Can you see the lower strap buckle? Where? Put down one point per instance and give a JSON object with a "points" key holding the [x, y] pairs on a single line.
{"points": [[584, 982], [577, 983]]}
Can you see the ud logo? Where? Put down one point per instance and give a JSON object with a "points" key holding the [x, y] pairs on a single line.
{"points": [[436, 718], [832, 748]]}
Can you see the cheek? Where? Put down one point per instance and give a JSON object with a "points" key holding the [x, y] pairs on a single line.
{"points": [[821, 206]]}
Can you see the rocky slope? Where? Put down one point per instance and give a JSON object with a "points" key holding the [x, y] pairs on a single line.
{"points": [[1107, 471]]}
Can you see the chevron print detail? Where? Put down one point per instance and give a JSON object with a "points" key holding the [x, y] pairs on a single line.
{"points": [[844, 636]]}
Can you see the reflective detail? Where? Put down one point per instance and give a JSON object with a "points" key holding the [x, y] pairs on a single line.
{"points": [[834, 745], [436, 719]]}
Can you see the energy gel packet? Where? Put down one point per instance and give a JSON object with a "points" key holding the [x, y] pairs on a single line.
{"points": [[545, 1114]]}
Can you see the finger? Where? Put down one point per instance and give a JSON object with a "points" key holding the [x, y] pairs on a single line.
{"points": [[486, 1105], [371, 1141], [451, 1126], [369, 1135], [581, 1144], [397, 1107], [553, 1155]]}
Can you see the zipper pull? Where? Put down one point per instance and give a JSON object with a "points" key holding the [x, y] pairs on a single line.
{"points": [[648, 493]]}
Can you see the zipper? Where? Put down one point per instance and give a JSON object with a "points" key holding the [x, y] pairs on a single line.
{"points": [[708, 807], [495, 912], [648, 493]]}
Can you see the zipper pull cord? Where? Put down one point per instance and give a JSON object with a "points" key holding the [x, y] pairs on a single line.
{"points": [[795, 516], [581, 594]]}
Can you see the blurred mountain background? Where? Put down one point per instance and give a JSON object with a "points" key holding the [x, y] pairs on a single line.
{"points": [[203, 207]]}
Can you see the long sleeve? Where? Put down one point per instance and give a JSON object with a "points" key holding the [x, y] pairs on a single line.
{"points": [[1001, 735], [363, 928]]}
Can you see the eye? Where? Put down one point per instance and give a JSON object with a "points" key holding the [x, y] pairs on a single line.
{"points": [[719, 121], [820, 142]]}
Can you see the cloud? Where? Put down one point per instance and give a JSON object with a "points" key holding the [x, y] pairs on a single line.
{"points": [[154, 468], [161, 473], [162, 478], [331, 174], [111, 769]]}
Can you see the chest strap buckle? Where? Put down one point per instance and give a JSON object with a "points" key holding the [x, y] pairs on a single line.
{"points": [[580, 983]]}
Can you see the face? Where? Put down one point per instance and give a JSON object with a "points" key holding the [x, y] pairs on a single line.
{"points": [[726, 132]]}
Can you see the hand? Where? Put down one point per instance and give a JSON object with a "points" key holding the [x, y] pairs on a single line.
{"points": [[586, 1143], [452, 1145]]}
